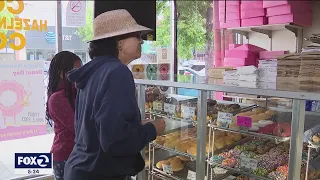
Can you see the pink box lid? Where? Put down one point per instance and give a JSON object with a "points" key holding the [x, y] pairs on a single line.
{"points": [[273, 3], [271, 54], [301, 19], [223, 3], [250, 47], [256, 21], [229, 9], [235, 53], [230, 24], [253, 13], [288, 8], [247, 5]]}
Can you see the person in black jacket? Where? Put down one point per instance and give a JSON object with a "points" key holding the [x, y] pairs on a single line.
{"points": [[109, 134]]}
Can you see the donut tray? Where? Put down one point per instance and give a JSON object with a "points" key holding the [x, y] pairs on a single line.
{"points": [[194, 122], [172, 151], [183, 174], [250, 133], [233, 170]]}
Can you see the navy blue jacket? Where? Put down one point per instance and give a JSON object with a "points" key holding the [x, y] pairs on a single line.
{"points": [[108, 131]]}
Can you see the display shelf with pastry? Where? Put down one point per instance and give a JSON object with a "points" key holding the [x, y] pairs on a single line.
{"points": [[264, 123], [182, 142], [181, 167], [188, 111], [266, 158]]}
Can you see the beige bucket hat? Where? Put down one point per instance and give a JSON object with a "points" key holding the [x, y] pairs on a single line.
{"points": [[115, 23]]}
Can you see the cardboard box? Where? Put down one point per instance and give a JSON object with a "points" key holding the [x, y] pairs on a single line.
{"points": [[256, 21], [217, 73], [237, 62], [251, 48], [226, 3], [272, 3], [232, 46], [229, 9], [302, 19], [230, 24], [235, 53], [247, 5], [288, 8], [253, 13], [229, 17], [271, 54]]}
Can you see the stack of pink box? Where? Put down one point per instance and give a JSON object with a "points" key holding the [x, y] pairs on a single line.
{"points": [[289, 11], [229, 13], [253, 13], [243, 55]]}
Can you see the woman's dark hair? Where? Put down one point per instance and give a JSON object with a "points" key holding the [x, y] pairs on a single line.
{"points": [[61, 63], [108, 46], [103, 47]]}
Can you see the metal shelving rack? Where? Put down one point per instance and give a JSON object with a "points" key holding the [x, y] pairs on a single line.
{"points": [[297, 122]]}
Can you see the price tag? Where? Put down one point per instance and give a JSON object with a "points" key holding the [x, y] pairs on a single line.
{"points": [[225, 118], [157, 106], [249, 163], [169, 108], [244, 121], [188, 112], [191, 175], [219, 170], [167, 169]]}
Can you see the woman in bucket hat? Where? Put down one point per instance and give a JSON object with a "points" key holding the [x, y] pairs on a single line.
{"points": [[109, 134]]}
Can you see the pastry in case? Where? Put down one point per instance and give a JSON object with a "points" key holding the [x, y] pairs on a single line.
{"points": [[175, 163]]}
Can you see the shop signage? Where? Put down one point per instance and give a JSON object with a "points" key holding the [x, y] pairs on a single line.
{"points": [[15, 7], [22, 106], [51, 37], [76, 13]]}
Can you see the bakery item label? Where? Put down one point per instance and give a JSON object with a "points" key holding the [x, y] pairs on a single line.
{"points": [[188, 112], [224, 118], [244, 121], [248, 163], [167, 169], [169, 108], [191, 175]]}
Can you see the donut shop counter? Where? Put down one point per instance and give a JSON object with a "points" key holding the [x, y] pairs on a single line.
{"points": [[211, 139]]}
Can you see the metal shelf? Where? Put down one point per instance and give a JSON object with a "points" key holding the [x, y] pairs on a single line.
{"points": [[266, 29], [238, 171], [159, 114], [220, 87], [173, 151], [183, 174], [266, 136]]}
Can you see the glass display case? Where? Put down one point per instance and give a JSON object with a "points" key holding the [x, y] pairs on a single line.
{"points": [[214, 139]]}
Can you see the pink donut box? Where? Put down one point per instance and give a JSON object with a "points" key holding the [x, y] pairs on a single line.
{"points": [[256, 21], [231, 24], [252, 13], [229, 9], [247, 5], [229, 3], [288, 8], [273, 3], [302, 19], [229, 16]]}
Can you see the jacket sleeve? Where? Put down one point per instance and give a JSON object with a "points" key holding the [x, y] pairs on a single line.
{"points": [[61, 110], [119, 133]]}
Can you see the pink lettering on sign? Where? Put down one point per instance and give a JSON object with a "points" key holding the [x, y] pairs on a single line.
{"points": [[244, 121]]}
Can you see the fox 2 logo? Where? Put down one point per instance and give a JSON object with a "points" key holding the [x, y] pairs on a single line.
{"points": [[33, 160]]}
